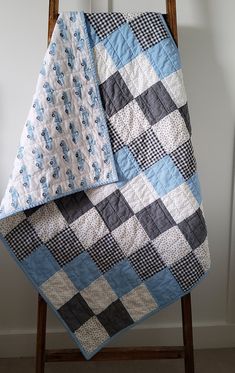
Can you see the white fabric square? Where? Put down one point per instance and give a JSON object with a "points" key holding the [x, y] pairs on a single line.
{"points": [[9, 223], [89, 228], [44, 225], [180, 202], [99, 295], [59, 289], [130, 236], [104, 63], [130, 122], [97, 195], [91, 334], [203, 255], [174, 84], [171, 131], [139, 75], [172, 245], [139, 302], [139, 193]]}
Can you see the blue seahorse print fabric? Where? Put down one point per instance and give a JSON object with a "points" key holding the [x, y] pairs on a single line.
{"points": [[103, 211]]}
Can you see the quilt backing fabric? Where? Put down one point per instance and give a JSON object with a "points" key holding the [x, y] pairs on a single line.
{"points": [[103, 209]]}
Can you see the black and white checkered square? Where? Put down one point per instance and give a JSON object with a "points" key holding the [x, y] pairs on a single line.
{"points": [[183, 157], [148, 29], [105, 23], [65, 246], [115, 139], [147, 149], [23, 240], [146, 261], [106, 253], [187, 271]]}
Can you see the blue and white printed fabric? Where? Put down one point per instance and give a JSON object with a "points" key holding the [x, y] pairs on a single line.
{"points": [[103, 211]]}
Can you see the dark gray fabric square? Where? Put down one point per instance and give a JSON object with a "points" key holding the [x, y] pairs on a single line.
{"points": [[187, 271], [23, 239], [75, 312], [114, 210], [115, 318], [114, 94], [156, 103], [194, 229], [155, 219], [106, 253], [185, 115], [74, 206]]}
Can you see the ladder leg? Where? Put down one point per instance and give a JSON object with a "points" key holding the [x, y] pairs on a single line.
{"points": [[41, 335], [187, 333]]}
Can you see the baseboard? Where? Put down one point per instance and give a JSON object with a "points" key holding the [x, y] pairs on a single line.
{"points": [[22, 343]]}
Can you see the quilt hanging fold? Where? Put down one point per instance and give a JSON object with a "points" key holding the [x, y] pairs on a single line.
{"points": [[103, 210]]}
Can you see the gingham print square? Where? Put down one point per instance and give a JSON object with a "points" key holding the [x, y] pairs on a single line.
{"points": [[64, 246], [115, 138], [104, 23], [149, 29], [146, 261], [23, 240], [147, 149], [183, 157], [187, 271]]}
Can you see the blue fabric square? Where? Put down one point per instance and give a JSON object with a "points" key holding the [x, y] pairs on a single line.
{"points": [[126, 48], [93, 37], [40, 265], [126, 166], [122, 278], [195, 187], [164, 176], [164, 57], [164, 287], [82, 271]]}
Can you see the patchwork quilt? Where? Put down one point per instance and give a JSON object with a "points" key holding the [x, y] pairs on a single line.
{"points": [[103, 210]]}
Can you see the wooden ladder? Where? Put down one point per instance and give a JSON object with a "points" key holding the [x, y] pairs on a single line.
{"points": [[185, 352]]}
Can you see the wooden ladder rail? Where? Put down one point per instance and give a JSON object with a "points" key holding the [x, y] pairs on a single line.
{"points": [[118, 353]]}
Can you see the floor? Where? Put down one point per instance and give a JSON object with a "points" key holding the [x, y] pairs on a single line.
{"points": [[216, 361]]}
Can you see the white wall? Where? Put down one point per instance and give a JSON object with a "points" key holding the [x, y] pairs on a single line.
{"points": [[206, 40]]}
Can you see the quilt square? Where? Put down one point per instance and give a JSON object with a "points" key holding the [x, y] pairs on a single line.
{"points": [[149, 29], [23, 240], [187, 271], [164, 176], [75, 312], [58, 289], [9, 223], [180, 202], [105, 23], [155, 219], [184, 159], [64, 246], [130, 236], [115, 138], [129, 122], [89, 228], [114, 210], [147, 149], [171, 131], [139, 193], [115, 318], [73, 206], [82, 270], [105, 66], [40, 265], [114, 94], [122, 278], [171, 245], [122, 45], [44, 225], [194, 229], [156, 103], [91, 334], [203, 255], [195, 187], [139, 302], [174, 85], [106, 253], [185, 115], [163, 287], [139, 75], [99, 295], [126, 166], [146, 261], [97, 195]]}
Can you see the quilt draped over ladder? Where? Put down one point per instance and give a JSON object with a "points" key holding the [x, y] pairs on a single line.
{"points": [[103, 209]]}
